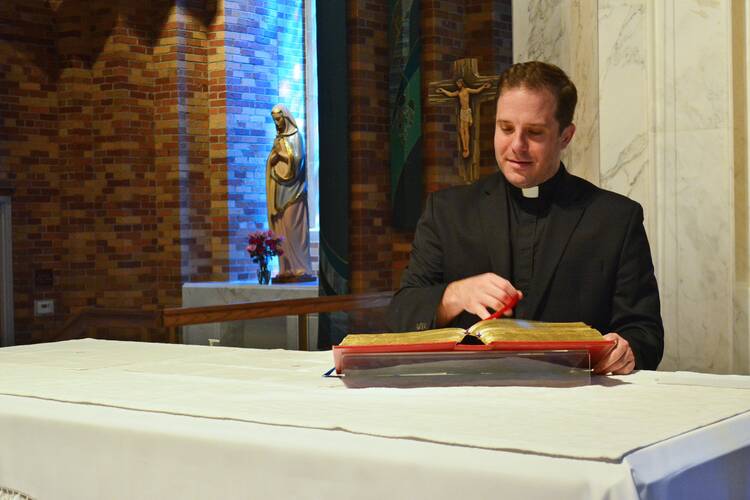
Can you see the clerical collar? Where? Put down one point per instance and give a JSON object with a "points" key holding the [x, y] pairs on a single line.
{"points": [[543, 191]]}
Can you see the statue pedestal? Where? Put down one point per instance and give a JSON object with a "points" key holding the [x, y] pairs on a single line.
{"points": [[267, 333]]}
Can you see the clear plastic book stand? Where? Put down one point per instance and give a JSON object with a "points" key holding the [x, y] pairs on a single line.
{"points": [[568, 368]]}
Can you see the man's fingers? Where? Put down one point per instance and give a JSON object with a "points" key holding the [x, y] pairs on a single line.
{"points": [[479, 294], [481, 312], [510, 302], [501, 284], [611, 367], [620, 360], [497, 303], [506, 303], [622, 366], [624, 369], [611, 360]]}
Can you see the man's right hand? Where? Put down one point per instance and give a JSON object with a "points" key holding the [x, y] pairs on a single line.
{"points": [[475, 295]]}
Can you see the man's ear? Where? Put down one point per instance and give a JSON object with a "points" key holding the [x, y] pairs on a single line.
{"points": [[567, 135]]}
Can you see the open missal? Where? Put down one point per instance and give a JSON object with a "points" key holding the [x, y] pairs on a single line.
{"points": [[513, 335]]}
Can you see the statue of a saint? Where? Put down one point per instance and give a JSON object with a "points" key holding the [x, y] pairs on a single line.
{"points": [[286, 198], [465, 116]]}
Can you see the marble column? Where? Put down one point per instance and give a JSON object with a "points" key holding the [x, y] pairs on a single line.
{"points": [[665, 127]]}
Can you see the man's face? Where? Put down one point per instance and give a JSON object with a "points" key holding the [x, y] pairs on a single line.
{"points": [[460, 83], [528, 142]]}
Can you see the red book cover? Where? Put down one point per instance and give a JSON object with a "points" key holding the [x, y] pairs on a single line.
{"points": [[467, 341]]}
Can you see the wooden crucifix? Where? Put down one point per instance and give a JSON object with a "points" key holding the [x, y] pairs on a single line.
{"points": [[468, 90]]}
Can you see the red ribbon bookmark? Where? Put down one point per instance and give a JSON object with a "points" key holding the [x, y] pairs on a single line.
{"points": [[508, 305]]}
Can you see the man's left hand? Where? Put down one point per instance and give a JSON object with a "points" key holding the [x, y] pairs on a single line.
{"points": [[619, 361]]}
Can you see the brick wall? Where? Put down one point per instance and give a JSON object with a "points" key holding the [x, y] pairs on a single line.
{"points": [[135, 136], [182, 178], [28, 148], [217, 131], [370, 231], [105, 126]]}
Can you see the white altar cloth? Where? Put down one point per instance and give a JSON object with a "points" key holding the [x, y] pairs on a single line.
{"points": [[90, 419]]}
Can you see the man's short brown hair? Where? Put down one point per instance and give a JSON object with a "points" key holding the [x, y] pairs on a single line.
{"points": [[537, 75]]}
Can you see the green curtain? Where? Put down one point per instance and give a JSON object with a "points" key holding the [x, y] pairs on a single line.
{"points": [[405, 92], [333, 125]]}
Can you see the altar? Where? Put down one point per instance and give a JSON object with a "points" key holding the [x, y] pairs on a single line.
{"points": [[267, 333], [90, 419]]}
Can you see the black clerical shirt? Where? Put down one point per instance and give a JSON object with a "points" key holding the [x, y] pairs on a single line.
{"points": [[528, 221]]}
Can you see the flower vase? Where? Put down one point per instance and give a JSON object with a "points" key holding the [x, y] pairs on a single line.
{"points": [[264, 274]]}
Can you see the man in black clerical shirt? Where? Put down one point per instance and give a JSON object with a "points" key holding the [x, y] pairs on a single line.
{"points": [[567, 249]]}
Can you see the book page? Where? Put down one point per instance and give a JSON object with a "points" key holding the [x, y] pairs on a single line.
{"points": [[423, 337], [519, 330]]}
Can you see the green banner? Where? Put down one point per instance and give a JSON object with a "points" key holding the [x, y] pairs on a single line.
{"points": [[333, 122], [405, 92]]}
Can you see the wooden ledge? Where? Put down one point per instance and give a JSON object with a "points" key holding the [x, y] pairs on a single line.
{"points": [[255, 310]]}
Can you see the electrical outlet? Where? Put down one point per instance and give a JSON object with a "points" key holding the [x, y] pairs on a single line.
{"points": [[44, 307]]}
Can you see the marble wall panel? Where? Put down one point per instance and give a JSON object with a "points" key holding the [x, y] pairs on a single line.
{"points": [[701, 64], [623, 93], [702, 336], [583, 68], [741, 111], [703, 189], [538, 31], [741, 341]]}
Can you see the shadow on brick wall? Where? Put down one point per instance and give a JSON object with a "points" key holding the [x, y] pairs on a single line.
{"points": [[77, 30]]}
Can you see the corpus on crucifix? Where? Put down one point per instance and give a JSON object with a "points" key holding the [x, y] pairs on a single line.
{"points": [[467, 89], [464, 114]]}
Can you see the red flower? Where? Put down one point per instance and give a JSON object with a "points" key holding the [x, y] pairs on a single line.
{"points": [[262, 245]]}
